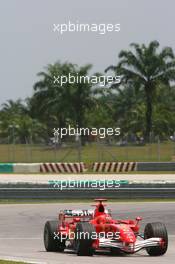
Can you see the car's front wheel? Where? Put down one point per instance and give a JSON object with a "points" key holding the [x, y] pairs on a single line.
{"points": [[156, 230], [84, 239], [52, 241]]}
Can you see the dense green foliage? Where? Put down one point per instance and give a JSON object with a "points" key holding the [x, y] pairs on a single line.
{"points": [[143, 104]]}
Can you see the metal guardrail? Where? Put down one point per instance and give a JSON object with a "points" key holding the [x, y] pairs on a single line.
{"points": [[131, 191]]}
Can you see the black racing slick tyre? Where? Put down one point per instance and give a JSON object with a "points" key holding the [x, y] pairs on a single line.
{"points": [[51, 240], [156, 230], [84, 239]]}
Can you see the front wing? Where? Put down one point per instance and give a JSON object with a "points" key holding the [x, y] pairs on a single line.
{"points": [[131, 247]]}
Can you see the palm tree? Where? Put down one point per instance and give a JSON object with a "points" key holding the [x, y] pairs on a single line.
{"points": [[164, 118], [16, 120], [128, 109], [145, 68], [59, 104], [82, 97], [13, 107]]}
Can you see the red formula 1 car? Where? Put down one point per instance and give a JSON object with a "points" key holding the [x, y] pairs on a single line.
{"points": [[87, 231]]}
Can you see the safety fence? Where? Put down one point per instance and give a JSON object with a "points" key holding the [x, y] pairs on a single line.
{"points": [[98, 151]]}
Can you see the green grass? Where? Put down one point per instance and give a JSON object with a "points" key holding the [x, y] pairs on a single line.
{"points": [[90, 172], [89, 201], [11, 262], [89, 153]]}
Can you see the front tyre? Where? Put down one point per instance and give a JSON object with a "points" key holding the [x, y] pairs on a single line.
{"points": [[51, 244], [83, 240], [156, 230]]}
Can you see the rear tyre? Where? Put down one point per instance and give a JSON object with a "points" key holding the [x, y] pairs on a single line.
{"points": [[51, 244], [156, 230], [84, 239]]}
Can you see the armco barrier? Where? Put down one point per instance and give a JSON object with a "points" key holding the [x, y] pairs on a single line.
{"points": [[65, 167], [156, 166], [6, 167], [26, 167], [114, 166], [138, 191]]}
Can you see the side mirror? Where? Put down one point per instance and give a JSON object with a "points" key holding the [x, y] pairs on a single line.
{"points": [[138, 218]]}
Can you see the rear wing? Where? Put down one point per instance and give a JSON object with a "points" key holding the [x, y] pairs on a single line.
{"points": [[78, 213], [82, 213]]}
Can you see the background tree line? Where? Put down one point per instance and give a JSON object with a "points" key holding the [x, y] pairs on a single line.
{"points": [[142, 104]]}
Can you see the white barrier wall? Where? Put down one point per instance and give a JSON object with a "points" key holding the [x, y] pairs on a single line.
{"points": [[26, 167]]}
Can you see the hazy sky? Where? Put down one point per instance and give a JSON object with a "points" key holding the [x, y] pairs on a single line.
{"points": [[28, 43]]}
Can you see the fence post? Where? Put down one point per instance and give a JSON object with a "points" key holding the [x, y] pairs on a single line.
{"points": [[158, 148], [78, 140]]}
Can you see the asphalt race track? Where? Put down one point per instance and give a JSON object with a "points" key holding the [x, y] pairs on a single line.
{"points": [[21, 232]]}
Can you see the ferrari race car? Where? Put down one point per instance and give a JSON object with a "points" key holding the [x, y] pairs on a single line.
{"points": [[87, 231]]}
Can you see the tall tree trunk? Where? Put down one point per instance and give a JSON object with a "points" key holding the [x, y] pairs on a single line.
{"points": [[61, 125], [80, 122], [148, 92]]}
